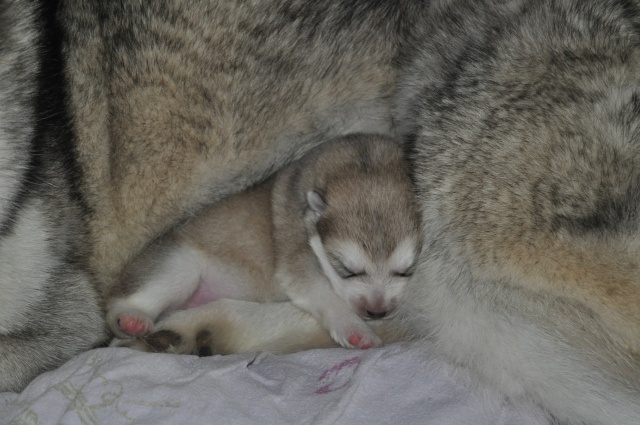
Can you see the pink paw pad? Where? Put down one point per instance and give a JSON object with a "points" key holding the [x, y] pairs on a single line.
{"points": [[354, 339], [133, 325]]}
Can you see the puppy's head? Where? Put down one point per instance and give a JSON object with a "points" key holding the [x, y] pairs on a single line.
{"points": [[365, 235]]}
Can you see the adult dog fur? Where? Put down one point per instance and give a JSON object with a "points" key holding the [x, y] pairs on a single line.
{"points": [[523, 118], [49, 309]]}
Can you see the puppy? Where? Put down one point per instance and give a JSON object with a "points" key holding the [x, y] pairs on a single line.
{"points": [[336, 233]]}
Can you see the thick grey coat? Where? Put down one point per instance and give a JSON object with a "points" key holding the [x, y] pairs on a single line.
{"points": [[522, 122]]}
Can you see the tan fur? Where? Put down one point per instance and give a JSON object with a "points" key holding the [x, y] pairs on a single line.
{"points": [[238, 232], [156, 145]]}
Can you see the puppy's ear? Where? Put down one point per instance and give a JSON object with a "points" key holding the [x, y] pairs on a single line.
{"points": [[316, 202]]}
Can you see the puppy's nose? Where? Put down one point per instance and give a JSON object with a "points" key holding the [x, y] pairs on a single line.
{"points": [[375, 314]]}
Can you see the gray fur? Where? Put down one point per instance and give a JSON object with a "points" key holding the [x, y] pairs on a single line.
{"points": [[48, 305], [522, 119], [527, 133]]}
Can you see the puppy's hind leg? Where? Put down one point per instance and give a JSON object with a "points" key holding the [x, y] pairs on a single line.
{"points": [[230, 326], [162, 278]]}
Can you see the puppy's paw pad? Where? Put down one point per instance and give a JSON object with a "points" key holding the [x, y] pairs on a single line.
{"points": [[362, 337], [355, 339], [364, 342], [134, 324]]}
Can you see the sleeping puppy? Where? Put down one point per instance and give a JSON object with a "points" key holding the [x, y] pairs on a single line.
{"points": [[336, 233], [521, 118]]}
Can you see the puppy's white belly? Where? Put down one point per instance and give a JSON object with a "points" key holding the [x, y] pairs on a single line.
{"points": [[216, 283]]}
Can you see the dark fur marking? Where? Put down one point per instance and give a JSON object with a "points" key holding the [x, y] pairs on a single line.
{"points": [[203, 344], [161, 341]]}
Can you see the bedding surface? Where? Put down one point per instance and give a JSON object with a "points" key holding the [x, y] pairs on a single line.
{"points": [[396, 384]]}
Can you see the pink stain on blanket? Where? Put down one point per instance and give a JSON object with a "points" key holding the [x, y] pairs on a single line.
{"points": [[339, 376]]}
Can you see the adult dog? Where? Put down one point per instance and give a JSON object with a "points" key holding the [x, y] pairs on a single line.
{"points": [[522, 119]]}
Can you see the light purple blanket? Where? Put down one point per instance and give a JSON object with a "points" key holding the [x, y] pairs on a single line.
{"points": [[397, 384]]}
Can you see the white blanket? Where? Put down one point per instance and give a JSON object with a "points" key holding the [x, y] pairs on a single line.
{"points": [[397, 384]]}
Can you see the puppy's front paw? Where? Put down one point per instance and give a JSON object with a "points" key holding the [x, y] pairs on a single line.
{"points": [[355, 334]]}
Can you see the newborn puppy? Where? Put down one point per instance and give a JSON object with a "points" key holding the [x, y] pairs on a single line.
{"points": [[336, 233]]}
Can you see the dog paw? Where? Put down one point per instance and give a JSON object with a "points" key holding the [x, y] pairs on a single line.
{"points": [[169, 341], [157, 342], [182, 332], [355, 335], [128, 321], [163, 341], [133, 324]]}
